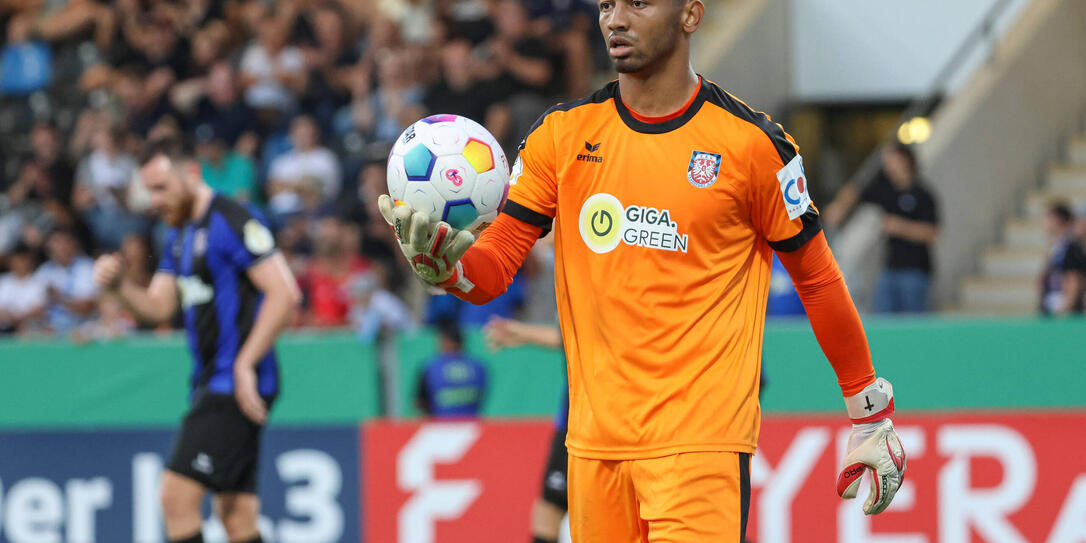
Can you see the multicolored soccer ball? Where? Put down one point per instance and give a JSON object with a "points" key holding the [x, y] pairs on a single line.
{"points": [[451, 168]]}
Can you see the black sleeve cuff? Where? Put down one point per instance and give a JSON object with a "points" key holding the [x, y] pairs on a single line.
{"points": [[528, 216], [812, 225]]}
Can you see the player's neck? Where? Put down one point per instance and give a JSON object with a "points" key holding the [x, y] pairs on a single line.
{"points": [[202, 203], [660, 93]]}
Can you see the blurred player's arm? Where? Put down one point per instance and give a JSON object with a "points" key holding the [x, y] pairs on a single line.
{"points": [[272, 277], [502, 333], [154, 305]]}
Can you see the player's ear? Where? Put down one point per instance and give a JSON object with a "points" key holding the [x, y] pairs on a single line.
{"points": [[192, 171], [693, 11]]}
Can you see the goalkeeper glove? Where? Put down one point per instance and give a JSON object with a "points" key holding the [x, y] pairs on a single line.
{"points": [[873, 445], [433, 248]]}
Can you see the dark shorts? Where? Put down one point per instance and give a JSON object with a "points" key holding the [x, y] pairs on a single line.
{"points": [[217, 445], [554, 478]]}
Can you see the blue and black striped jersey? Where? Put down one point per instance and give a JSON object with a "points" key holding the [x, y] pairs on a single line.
{"points": [[210, 258]]}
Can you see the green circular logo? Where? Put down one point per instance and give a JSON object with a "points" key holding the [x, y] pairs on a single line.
{"points": [[600, 222]]}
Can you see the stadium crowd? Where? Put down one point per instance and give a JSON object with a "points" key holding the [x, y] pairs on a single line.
{"points": [[290, 106]]}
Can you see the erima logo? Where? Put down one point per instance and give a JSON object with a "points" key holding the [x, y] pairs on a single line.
{"points": [[556, 480], [202, 464], [589, 157]]}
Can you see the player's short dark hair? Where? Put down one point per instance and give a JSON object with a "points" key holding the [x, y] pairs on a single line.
{"points": [[1061, 210], [449, 329], [172, 147]]}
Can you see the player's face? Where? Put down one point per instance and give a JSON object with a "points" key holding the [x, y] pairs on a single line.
{"points": [[171, 198], [640, 33]]}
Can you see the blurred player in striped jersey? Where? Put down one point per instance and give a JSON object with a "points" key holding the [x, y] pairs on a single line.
{"points": [[221, 269]]}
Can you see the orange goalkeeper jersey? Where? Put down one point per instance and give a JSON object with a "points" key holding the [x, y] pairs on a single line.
{"points": [[664, 234]]}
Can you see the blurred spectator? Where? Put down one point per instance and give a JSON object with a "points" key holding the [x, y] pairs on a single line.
{"points": [[327, 279], [412, 20], [517, 65], [25, 65], [155, 42], [460, 91], [452, 384], [69, 276], [375, 311], [1064, 277], [55, 21], [112, 322], [47, 175], [144, 96], [272, 71], [225, 170], [383, 112], [101, 190], [330, 61], [910, 223], [307, 175], [23, 294], [215, 101], [40, 195]]}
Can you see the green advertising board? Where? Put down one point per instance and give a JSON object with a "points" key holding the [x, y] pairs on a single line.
{"points": [[934, 364]]}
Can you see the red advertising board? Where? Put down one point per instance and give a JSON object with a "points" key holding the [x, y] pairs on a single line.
{"points": [[451, 481], [994, 477]]}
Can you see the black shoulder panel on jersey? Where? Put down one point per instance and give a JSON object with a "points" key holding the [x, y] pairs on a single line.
{"points": [[812, 225], [601, 95], [721, 98], [236, 215], [527, 216]]}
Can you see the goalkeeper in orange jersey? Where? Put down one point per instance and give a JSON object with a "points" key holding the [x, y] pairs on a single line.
{"points": [[668, 197]]}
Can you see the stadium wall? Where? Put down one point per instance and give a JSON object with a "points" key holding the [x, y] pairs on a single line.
{"points": [[332, 379]]}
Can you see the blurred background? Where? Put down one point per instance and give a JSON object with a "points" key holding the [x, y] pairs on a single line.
{"points": [[945, 144]]}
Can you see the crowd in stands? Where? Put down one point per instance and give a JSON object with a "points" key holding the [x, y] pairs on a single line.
{"points": [[289, 105]]}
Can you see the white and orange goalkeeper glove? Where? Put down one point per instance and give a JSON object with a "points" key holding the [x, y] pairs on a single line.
{"points": [[433, 248], [873, 445]]}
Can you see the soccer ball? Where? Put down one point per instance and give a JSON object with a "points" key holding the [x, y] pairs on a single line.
{"points": [[450, 168]]}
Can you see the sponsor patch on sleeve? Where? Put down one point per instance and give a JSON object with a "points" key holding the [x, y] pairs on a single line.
{"points": [[518, 169], [794, 188], [258, 239]]}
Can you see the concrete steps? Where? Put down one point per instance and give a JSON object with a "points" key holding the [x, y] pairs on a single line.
{"points": [[1024, 233], [1012, 262], [982, 295], [1007, 282], [1076, 151]]}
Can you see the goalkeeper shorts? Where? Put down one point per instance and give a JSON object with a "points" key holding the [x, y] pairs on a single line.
{"points": [[682, 498]]}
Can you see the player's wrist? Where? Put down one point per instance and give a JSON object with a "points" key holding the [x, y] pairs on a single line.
{"points": [[872, 404]]}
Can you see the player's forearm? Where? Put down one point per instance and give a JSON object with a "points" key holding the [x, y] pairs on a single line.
{"points": [[492, 262], [543, 335], [144, 305], [277, 310], [833, 316], [919, 231]]}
